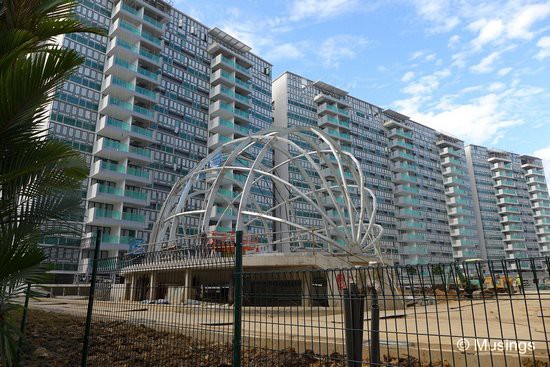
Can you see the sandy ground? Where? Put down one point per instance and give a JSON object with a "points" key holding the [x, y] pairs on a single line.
{"points": [[425, 331]]}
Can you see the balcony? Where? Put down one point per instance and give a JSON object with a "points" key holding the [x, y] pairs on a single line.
{"points": [[110, 149], [534, 172], [514, 237], [400, 133], [449, 162], [457, 200], [453, 171], [105, 194], [217, 140], [150, 39], [507, 201], [241, 116], [539, 196], [405, 178], [323, 97], [452, 181], [506, 192], [116, 108], [335, 134], [140, 154], [405, 190], [222, 213], [460, 222], [460, 212], [510, 219], [117, 129], [450, 152], [537, 188], [501, 166], [135, 197], [400, 144], [242, 86], [222, 109], [138, 176], [516, 247], [404, 167], [508, 209], [464, 243], [333, 121], [505, 183], [462, 232], [329, 109], [513, 228], [118, 87], [122, 48], [124, 29], [102, 170], [401, 156], [536, 179], [407, 202], [542, 222], [455, 191]]}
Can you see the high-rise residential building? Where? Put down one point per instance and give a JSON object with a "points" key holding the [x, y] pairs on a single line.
{"points": [[151, 100], [161, 91], [402, 163], [511, 203], [438, 201]]}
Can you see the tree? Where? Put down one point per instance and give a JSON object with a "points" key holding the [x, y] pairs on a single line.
{"points": [[40, 178]]}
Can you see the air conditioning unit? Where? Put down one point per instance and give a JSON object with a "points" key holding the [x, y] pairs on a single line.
{"points": [[180, 23], [193, 31]]}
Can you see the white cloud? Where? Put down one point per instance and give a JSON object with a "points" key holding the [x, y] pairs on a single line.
{"points": [[489, 32], [453, 41], [337, 48], [302, 9], [408, 76], [486, 64], [520, 25], [438, 13], [426, 84], [478, 121], [285, 51], [494, 87], [430, 57], [544, 45], [544, 154], [504, 71]]}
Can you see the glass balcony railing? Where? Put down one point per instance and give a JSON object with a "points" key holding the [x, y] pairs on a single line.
{"points": [[241, 113], [137, 172], [129, 27], [120, 103], [147, 73], [117, 123], [127, 45], [242, 83], [114, 145], [152, 21], [242, 98], [142, 131], [133, 217], [112, 167], [140, 151], [104, 213], [111, 190], [129, 9], [135, 194], [149, 55], [149, 37], [242, 69], [146, 92], [143, 111]]}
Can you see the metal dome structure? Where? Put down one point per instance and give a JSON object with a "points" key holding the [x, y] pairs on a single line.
{"points": [[287, 189]]}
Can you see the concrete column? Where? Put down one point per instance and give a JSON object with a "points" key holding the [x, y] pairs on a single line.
{"points": [[187, 286], [132, 280], [306, 280], [152, 284]]}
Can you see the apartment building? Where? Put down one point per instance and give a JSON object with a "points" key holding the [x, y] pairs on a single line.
{"points": [[510, 202], [152, 99]]}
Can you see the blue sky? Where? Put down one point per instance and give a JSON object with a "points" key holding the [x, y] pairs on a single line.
{"points": [[476, 69]]}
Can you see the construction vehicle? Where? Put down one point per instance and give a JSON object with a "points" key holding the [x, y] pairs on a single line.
{"points": [[502, 284]]}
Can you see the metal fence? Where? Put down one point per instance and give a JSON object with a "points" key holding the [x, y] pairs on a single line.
{"points": [[178, 308]]}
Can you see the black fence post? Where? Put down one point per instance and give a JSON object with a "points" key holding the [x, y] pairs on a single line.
{"points": [[374, 329], [237, 299], [86, 342], [353, 317], [23, 322]]}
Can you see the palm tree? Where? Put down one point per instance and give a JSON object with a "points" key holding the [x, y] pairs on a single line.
{"points": [[39, 178]]}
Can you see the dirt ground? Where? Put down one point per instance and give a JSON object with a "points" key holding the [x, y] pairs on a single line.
{"points": [[55, 340]]}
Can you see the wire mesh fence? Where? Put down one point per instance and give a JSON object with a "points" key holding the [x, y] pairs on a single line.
{"points": [[176, 308]]}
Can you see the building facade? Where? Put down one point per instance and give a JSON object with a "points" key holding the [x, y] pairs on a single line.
{"points": [[439, 201], [151, 100], [510, 203], [161, 91]]}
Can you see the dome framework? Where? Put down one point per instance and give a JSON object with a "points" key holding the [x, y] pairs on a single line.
{"points": [[289, 189]]}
